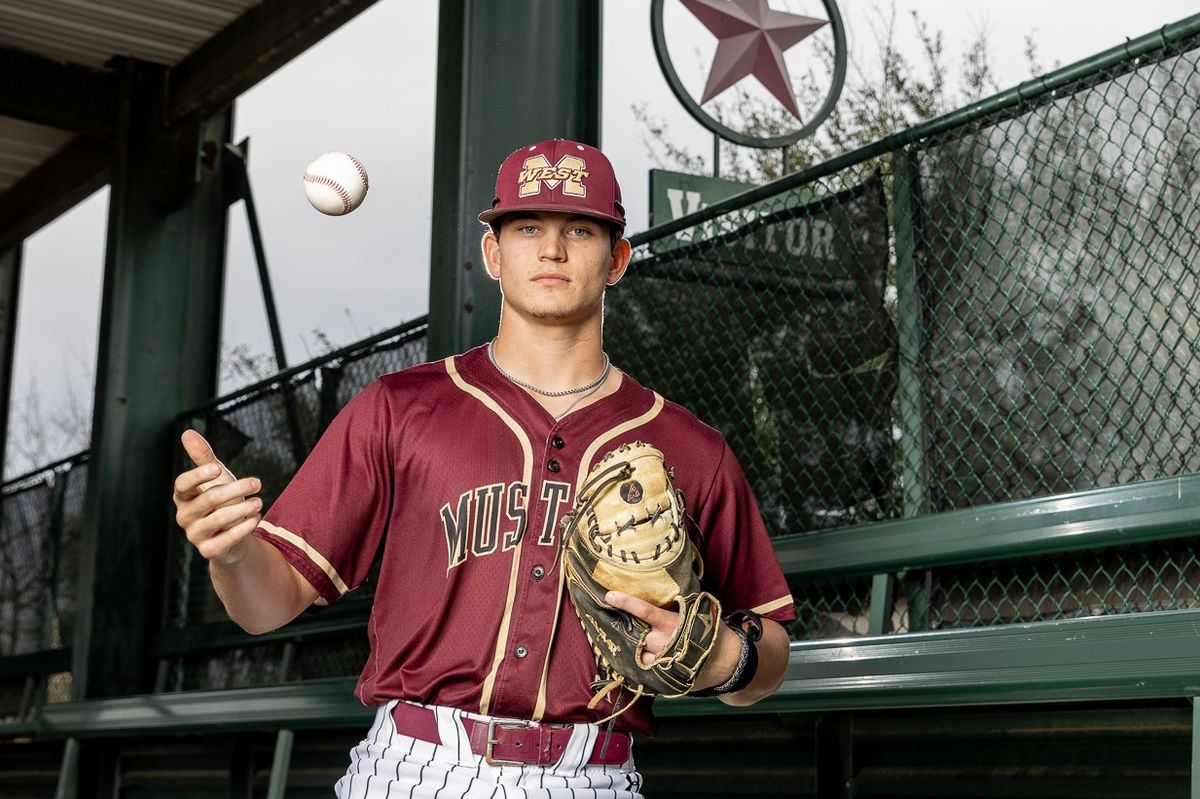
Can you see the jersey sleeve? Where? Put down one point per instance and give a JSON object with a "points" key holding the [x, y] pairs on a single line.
{"points": [[332, 516], [740, 566]]}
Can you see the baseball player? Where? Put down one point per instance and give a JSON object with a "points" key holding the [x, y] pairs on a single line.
{"points": [[457, 474]]}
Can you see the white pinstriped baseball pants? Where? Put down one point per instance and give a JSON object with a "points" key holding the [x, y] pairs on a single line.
{"points": [[388, 765]]}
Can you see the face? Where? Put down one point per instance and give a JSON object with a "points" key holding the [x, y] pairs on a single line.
{"points": [[553, 267]]}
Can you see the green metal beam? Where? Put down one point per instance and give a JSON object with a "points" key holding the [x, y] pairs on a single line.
{"points": [[66, 178], [35, 664], [492, 97], [1195, 782], [1104, 517], [10, 294], [227, 635], [319, 703], [1104, 658], [65, 96], [159, 335], [1137, 657], [260, 41]]}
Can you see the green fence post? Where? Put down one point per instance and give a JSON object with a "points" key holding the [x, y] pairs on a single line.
{"points": [[910, 310], [159, 334], [909, 314], [66, 785], [882, 587], [10, 288], [1195, 792], [53, 539], [280, 764]]}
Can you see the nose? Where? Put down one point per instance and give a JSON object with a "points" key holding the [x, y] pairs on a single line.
{"points": [[553, 247]]}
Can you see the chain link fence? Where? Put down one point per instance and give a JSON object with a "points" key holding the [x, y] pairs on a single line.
{"points": [[40, 517], [267, 430], [995, 306]]}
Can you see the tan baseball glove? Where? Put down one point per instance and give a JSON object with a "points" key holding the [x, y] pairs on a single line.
{"points": [[626, 533]]}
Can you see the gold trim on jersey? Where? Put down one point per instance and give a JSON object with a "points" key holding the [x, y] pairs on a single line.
{"points": [[527, 476], [608, 435], [775, 604], [540, 708], [313, 555]]}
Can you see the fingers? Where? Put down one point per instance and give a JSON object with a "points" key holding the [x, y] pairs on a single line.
{"points": [[224, 546], [201, 453], [195, 494], [219, 519], [216, 511], [192, 482], [196, 503], [638, 607], [662, 622]]}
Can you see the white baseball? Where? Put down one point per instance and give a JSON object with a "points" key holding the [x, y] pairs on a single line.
{"points": [[335, 183]]}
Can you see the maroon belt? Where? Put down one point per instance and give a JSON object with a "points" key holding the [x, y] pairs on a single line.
{"points": [[508, 742]]}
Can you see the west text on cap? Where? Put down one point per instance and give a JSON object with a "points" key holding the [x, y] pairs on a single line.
{"points": [[557, 175]]}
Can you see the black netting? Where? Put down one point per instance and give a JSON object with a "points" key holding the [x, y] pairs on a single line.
{"points": [[39, 554]]}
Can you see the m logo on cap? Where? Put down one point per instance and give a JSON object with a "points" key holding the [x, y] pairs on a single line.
{"points": [[569, 171]]}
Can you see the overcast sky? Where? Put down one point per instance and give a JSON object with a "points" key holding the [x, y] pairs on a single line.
{"points": [[359, 92]]}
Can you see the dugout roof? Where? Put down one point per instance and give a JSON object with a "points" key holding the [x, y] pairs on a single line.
{"points": [[63, 67]]}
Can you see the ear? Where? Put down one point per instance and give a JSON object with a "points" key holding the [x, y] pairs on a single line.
{"points": [[490, 247], [620, 261]]}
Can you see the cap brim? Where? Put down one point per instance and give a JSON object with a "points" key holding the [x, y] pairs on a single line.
{"points": [[492, 213]]}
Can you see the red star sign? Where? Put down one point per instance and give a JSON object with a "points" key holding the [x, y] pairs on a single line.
{"points": [[752, 39]]}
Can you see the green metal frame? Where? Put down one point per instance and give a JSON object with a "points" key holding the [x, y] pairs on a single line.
{"points": [[66, 96], [10, 292], [1104, 658], [1158, 510], [485, 110]]}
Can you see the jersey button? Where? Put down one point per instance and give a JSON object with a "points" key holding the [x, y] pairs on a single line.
{"points": [[538, 572], [521, 650], [557, 442], [553, 466]]}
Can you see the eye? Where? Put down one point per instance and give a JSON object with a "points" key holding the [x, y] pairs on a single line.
{"points": [[528, 230], [580, 232]]}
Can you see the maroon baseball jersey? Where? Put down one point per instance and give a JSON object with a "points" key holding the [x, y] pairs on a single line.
{"points": [[463, 477]]}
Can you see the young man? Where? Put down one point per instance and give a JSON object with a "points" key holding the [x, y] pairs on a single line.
{"points": [[461, 471]]}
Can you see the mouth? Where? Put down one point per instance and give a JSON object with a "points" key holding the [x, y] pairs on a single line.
{"points": [[551, 279]]}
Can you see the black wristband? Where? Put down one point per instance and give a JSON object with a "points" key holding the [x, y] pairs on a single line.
{"points": [[747, 665], [740, 617]]}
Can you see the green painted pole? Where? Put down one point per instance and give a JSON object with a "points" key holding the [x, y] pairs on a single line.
{"points": [[10, 290], [910, 314], [1195, 792], [510, 72], [66, 786], [280, 763], [910, 311], [158, 353]]}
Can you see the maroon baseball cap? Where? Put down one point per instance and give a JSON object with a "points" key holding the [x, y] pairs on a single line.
{"points": [[558, 175]]}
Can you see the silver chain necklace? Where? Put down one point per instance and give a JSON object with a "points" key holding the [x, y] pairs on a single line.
{"points": [[566, 393]]}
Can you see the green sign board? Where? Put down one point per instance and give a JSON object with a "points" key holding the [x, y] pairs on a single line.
{"points": [[798, 234], [675, 194]]}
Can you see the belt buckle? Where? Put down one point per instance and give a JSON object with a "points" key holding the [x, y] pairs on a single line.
{"points": [[503, 724]]}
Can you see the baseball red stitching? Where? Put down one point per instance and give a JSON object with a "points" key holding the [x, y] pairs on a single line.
{"points": [[362, 172], [338, 188]]}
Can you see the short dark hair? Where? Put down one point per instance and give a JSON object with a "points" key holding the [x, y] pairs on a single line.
{"points": [[615, 232]]}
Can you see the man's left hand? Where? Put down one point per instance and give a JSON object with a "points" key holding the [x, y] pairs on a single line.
{"points": [[772, 649]]}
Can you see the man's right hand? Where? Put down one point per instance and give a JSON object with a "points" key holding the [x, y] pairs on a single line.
{"points": [[216, 511]]}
